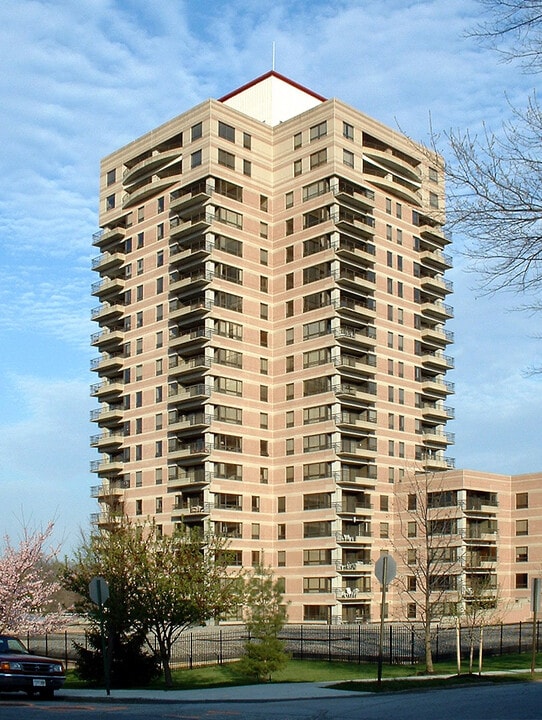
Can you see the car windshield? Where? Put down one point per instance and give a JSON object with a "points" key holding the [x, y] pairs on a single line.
{"points": [[12, 645]]}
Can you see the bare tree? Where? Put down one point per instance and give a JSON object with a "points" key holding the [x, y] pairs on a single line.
{"points": [[427, 550], [495, 179], [480, 605]]}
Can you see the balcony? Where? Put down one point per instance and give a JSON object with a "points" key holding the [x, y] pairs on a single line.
{"points": [[354, 449], [109, 415], [395, 162], [193, 394], [184, 198], [108, 261], [107, 440], [186, 367], [356, 250], [361, 392], [356, 336], [153, 186], [107, 363], [436, 284], [357, 308], [107, 339], [189, 309], [437, 360], [106, 520], [106, 312], [436, 259], [357, 196], [197, 251], [108, 489], [107, 466], [364, 364], [438, 437], [185, 340], [107, 389], [436, 386], [179, 477], [196, 422], [188, 511], [436, 335], [438, 310], [107, 287], [354, 223], [149, 165], [196, 279], [363, 421], [108, 235], [180, 227], [196, 450], [436, 411], [434, 234]]}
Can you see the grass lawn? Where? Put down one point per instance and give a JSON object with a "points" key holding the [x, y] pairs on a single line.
{"points": [[344, 674]]}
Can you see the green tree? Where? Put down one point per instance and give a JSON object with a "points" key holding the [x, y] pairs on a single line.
{"points": [[159, 584], [265, 616]]}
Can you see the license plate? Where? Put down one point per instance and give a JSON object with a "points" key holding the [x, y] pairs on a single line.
{"points": [[36, 682]]}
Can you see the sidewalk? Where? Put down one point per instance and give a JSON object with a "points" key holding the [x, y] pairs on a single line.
{"points": [[244, 693]]}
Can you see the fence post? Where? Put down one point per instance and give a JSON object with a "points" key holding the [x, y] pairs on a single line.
{"points": [[412, 644], [436, 649], [220, 657], [190, 659], [519, 643], [391, 644], [302, 644], [329, 643]]}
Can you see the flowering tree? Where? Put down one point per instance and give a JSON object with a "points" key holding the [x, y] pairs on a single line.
{"points": [[27, 585]]}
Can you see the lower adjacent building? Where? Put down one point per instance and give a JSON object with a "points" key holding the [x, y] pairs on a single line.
{"points": [[272, 350]]}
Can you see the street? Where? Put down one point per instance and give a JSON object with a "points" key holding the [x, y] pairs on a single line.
{"points": [[510, 701]]}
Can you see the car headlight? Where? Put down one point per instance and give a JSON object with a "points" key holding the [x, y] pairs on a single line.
{"points": [[10, 666], [57, 668]]}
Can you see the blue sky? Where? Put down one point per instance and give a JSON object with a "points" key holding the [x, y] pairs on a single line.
{"points": [[79, 80]]}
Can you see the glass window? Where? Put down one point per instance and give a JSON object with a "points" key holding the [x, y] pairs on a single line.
{"points": [[226, 131]]}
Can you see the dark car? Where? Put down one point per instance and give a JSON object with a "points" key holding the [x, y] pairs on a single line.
{"points": [[20, 670]]}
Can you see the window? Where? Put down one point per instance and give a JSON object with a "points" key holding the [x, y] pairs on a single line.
{"points": [[318, 131], [289, 227], [264, 311], [255, 532], [317, 613], [139, 507], [289, 446], [412, 502], [247, 141], [227, 159], [247, 167], [348, 131], [298, 141], [281, 504], [348, 158], [290, 473], [289, 199], [289, 391], [318, 158], [195, 159], [298, 169], [281, 531], [264, 338], [226, 131], [228, 386], [264, 230], [522, 500], [411, 611], [264, 393], [433, 200], [522, 553], [264, 257], [384, 503], [281, 558], [384, 530], [196, 131], [111, 177], [317, 529], [290, 253], [522, 581], [264, 366], [110, 202], [317, 585], [522, 527], [412, 529]]}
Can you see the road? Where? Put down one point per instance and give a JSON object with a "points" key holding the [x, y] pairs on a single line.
{"points": [[510, 701]]}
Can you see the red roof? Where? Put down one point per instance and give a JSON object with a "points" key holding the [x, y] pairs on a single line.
{"points": [[271, 73]]}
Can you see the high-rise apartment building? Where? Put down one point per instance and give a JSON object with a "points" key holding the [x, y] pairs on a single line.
{"points": [[272, 335]]}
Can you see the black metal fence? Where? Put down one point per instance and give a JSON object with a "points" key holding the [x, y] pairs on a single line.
{"points": [[348, 643]]}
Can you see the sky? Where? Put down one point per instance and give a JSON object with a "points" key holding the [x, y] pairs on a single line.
{"points": [[80, 79]]}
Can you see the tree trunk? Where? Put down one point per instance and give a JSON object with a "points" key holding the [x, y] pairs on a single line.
{"points": [[471, 653], [481, 650], [458, 645], [165, 657], [428, 650]]}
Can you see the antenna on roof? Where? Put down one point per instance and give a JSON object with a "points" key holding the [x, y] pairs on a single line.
{"points": [[273, 63]]}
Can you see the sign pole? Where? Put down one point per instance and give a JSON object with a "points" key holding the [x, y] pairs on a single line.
{"points": [[382, 614], [535, 604]]}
